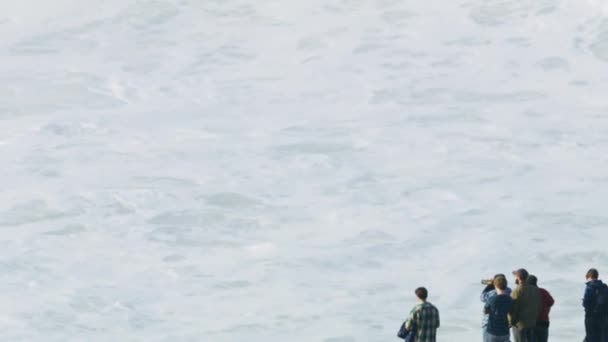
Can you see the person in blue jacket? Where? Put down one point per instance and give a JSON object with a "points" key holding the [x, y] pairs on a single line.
{"points": [[594, 300], [498, 308], [488, 293]]}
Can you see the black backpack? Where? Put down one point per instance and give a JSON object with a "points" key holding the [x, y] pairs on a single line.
{"points": [[601, 300]]}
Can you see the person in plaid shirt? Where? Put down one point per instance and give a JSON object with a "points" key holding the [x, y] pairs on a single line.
{"points": [[424, 317]]}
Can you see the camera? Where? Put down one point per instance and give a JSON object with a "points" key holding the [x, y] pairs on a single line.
{"points": [[487, 281]]}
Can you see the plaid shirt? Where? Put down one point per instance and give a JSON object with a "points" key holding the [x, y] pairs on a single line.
{"points": [[424, 318]]}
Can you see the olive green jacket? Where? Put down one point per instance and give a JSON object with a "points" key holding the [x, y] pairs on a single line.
{"points": [[526, 306]]}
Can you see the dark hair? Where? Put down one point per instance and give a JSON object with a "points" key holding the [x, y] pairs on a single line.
{"points": [[421, 293], [521, 274], [593, 273], [500, 283]]}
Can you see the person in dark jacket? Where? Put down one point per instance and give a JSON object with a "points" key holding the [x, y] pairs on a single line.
{"points": [[488, 293], [497, 308], [525, 309], [541, 331], [595, 321]]}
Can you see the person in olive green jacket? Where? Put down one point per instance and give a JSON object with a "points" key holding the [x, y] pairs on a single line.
{"points": [[525, 309]]}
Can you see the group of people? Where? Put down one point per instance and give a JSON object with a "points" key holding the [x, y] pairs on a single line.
{"points": [[522, 312], [524, 309]]}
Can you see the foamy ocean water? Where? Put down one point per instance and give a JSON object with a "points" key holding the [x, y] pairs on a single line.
{"points": [[238, 170]]}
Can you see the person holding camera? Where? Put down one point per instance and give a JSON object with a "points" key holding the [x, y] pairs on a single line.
{"points": [[497, 308], [488, 293]]}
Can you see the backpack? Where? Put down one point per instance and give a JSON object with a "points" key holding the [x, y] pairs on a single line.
{"points": [[600, 306], [407, 335]]}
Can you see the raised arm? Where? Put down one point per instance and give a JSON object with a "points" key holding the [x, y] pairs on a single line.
{"points": [[486, 293]]}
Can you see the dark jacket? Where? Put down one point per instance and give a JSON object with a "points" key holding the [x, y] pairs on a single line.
{"points": [[526, 306], [589, 298]]}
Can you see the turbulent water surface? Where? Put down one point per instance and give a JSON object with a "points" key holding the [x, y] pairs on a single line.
{"points": [[240, 170]]}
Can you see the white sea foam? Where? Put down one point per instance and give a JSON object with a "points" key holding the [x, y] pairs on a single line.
{"points": [[269, 171]]}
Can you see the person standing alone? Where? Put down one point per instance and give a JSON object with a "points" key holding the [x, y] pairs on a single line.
{"points": [[525, 309], [541, 331], [424, 318], [595, 302]]}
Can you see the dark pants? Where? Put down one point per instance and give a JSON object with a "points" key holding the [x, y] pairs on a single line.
{"points": [[523, 334], [541, 332], [596, 329]]}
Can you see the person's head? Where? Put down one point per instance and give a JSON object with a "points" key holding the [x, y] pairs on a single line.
{"points": [[593, 274], [421, 293], [500, 275], [521, 275], [500, 283], [532, 280]]}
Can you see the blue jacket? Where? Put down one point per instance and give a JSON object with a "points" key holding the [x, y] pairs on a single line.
{"points": [[484, 297], [590, 293]]}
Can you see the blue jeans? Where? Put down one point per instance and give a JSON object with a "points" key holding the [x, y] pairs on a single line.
{"points": [[523, 334], [487, 337]]}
